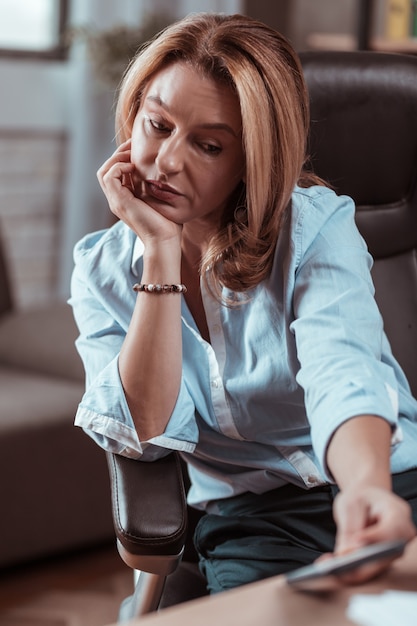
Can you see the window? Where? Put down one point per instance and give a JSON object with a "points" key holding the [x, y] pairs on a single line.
{"points": [[33, 28]]}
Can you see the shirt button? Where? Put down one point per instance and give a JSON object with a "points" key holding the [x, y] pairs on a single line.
{"points": [[312, 480], [216, 329], [215, 383]]}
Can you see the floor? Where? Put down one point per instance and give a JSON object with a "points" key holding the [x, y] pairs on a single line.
{"points": [[82, 589]]}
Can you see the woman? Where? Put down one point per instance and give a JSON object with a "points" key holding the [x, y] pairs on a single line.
{"points": [[242, 343]]}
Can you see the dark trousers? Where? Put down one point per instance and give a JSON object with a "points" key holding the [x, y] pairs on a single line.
{"points": [[258, 536]]}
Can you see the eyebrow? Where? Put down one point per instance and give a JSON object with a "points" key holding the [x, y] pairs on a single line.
{"points": [[209, 126]]}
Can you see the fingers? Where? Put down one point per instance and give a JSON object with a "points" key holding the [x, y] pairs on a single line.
{"points": [[116, 179], [351, 516], [121, 155], [123, 187], [372, 516], [118, 176]]}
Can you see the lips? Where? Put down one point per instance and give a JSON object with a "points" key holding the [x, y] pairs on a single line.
{"points": [[161, 191]]}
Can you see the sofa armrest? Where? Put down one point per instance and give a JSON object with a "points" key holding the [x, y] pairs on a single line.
{"points": [[149, 512]]}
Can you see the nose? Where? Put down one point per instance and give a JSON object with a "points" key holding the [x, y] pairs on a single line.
{"points": [[171, 155]]}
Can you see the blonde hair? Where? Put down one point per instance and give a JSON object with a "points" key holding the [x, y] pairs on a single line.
{"points": [[264, 71]]}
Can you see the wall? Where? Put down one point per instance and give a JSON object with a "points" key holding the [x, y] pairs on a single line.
{"points": [[32, 159], [298, 19], [31, 179], [322, 16], [56, 128]]}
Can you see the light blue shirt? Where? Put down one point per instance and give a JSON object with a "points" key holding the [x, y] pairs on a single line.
{"points": [[257, 405]]}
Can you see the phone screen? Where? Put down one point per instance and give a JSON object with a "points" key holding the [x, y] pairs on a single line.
{"points": [[308, 576]]}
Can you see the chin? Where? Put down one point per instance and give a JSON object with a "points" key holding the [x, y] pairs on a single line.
{"points": [[165, 210]]}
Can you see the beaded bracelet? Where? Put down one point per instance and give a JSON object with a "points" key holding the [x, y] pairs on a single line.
{"points": [[151, 288]]}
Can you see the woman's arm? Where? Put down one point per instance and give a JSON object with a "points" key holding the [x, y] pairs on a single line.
{"points": [[366, 510], [150, 361], [359, 452]]}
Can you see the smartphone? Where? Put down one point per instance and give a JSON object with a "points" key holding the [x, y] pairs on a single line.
{"points": [[318, 576]]}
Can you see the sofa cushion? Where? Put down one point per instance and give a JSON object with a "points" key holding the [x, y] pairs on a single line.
{"points": [[29, 401], [41, 340], [54, 485]]}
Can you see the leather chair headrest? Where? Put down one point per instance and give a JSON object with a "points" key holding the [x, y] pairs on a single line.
{"points": [[363, 139]]}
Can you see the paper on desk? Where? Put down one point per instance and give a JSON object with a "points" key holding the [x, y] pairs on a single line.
{"points": [[390, 608]]}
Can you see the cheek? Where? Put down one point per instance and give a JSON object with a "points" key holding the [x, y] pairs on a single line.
{"points": [[138, 173], [137, 149], [136, 158], [141, 156], [137, 155], [231, 178], [140, 148]]}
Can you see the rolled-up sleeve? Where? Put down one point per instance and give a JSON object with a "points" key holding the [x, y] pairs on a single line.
{"points": [[339, 330], [103, 412]]}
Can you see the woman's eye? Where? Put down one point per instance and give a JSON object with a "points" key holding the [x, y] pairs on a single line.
{"points": [[158, 126], [211, 148]]}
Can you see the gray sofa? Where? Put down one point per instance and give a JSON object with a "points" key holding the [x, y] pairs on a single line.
{"points": [[54, 486]]}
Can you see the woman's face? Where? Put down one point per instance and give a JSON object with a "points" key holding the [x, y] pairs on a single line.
{"points": [[187, 145]]}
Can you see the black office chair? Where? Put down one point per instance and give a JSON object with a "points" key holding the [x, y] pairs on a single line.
{"points": [[363, 140]]}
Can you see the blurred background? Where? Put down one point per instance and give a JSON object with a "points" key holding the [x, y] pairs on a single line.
{"points": [[60, 65], [56, 110]]}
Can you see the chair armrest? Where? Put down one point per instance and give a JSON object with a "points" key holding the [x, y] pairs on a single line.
{"points": [[149, 511]]}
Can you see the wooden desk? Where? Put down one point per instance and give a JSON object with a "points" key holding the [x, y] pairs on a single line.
{"points": [[272, 603]]}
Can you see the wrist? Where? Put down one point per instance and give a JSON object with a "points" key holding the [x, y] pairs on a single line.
{"points": [[369, 477], [162, 264]]}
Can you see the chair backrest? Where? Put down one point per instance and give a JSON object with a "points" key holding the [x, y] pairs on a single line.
{"points": [[363, 140]]}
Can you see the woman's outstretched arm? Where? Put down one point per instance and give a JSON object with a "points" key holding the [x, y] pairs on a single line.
{"points": [[366, 510]]}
